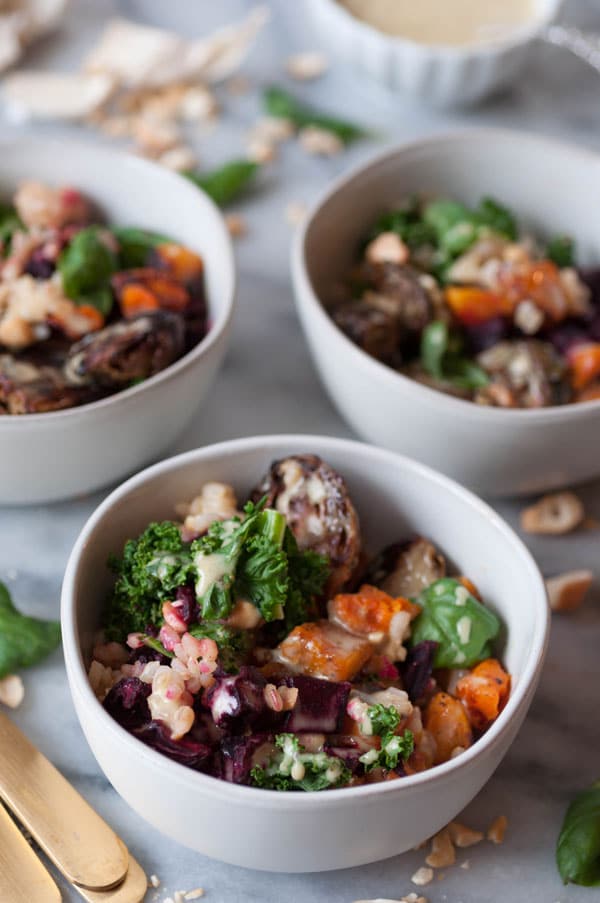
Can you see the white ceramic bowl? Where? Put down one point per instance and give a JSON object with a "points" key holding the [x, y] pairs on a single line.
{"points": [[443, 76], [295, 832], [553, 188], [59, 454]]}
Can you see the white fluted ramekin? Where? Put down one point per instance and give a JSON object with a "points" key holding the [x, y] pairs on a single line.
{"points": [[444, 76]]}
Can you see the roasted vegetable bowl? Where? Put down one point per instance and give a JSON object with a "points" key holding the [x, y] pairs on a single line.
{"points": [[115, 305], [378, 677]]}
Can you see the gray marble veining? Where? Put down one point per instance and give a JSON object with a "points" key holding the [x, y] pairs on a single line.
{"points": [[268, 385]]}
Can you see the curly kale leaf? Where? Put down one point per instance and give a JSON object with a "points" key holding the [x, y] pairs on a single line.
{"points": [[394, 749], [152, 566], [384, 719], [291, 768]]}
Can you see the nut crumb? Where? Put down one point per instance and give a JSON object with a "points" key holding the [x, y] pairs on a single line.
{"points": [[422, 876], [306, 66], [442, 850], [466, 865], [567, 591], [259, 150], [497, 829], [320, 141], [179, 158], [462, 836], [295, 213], [387, 248], [195, 894], [12, 691], [273, 129], [554, 514], [154, 881], [236, 225]]}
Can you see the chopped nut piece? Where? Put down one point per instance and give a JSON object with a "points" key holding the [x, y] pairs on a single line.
{"points": [[179, 158], [320, 141], [387, 248], [497, 829], [198, 103], [154, 881], [273, 129], [462, 836], [528, 317], [114, 126], [556, 514], [567, 591], [55, 95], [442, 851], [195, 894], [422, 876], [295, 213], [155, 137], [466, 865], [305, 66], [260, 151], [12, 691], [236, 225]]}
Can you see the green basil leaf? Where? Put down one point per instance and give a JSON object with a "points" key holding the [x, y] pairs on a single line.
{"points": [[228, 182], [9, 224], [281, 104], [578, 848], [135, 245], [434, 345], [561, 251], [496, 217], [453, 618], [24, 641], [464, 373], [86, 265]]}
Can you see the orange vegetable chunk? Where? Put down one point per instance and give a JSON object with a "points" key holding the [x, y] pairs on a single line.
{"points": [[135, 299], [182, 263], [471, 304], [484, 691], [322, 649], [584, 360], [369, 611], [447, 722]]}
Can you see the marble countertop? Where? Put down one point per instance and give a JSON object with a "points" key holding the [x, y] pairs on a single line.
{"points": [[267, 366]]}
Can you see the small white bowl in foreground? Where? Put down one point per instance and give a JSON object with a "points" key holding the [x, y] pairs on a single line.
{"points": [[52, 456], [307, 832], [552, 188]]}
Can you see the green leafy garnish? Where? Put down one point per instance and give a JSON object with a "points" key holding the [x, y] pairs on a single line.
{"points": [[152, 566], [282, 104], [24, 641], [441, 357], [578, 848], [407, 222], [9, 224], [462, 627], [86, 265], [291, 768], [135, 245], [561, 251], [384, 719], [394, 748], [226, 183]]}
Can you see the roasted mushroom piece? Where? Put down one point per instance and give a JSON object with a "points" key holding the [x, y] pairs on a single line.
{"points": [[28, 389], [126, 351], [318, 509], [373, 330], [399, 291], [406, 568]]}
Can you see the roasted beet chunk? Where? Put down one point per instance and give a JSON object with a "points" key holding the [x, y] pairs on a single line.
{"points": [[318, 509], [127, 702], [237, 698], [373, 330], [416, 669], [144, 654], [126, 351], [185, 603], [186, 751], [320, 706], [235, 758]]}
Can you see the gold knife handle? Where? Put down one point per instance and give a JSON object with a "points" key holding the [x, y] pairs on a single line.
{"points": [[66, 827], [23, 878]]}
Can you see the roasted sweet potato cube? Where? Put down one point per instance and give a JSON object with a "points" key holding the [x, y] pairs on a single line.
{"points": [[143, 289], [322, 649], [180, 262], [369, 611]]}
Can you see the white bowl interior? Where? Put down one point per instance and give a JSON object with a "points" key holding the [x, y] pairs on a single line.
{"points": [[551, 187], [130, 191], [394, 497]]}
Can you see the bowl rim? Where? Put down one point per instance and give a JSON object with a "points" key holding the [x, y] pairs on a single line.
{"points": [[110, 157], [521, 35], [272, 445], [307, 298]]}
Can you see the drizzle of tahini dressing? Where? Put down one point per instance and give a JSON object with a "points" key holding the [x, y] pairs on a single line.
{"points": [[450, 22]]}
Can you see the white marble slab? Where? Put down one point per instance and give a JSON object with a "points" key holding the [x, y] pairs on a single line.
{"points": [[268, 385]]}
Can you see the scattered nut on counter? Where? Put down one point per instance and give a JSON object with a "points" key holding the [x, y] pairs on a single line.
{"points": [[567, 591], [555, 514], [12, 691]]}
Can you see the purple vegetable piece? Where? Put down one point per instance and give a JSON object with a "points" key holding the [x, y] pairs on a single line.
{"points": [[320, 706], [39, 265], [127, 702], [235, 758], [235, 697], [417, 667], [483, 335], [144, 655], [186, 605], [348, 750], [187, 751], [566, 335], [591, 277]]}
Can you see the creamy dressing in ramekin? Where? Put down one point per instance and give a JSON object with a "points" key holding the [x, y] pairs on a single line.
{"points": [[450, 22]]}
